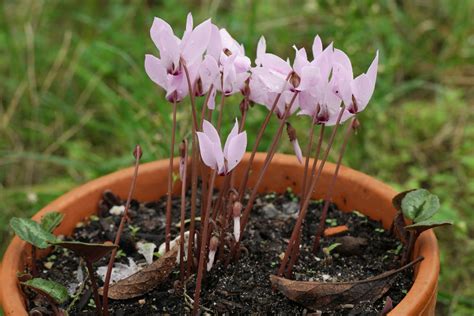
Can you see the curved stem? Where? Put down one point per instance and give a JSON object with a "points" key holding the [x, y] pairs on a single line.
{"points": [[221, 111], [90, 269], [105, 299]]}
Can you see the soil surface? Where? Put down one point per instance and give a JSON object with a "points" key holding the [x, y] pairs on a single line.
{"points": [[244, 286]]}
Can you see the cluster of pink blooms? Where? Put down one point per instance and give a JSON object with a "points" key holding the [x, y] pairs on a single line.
{"points": [[216, 62]]}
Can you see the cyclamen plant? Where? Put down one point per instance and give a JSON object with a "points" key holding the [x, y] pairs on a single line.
{"points": [[207, 61]]}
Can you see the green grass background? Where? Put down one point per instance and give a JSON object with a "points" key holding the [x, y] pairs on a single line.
{"points": [[74, 98]]}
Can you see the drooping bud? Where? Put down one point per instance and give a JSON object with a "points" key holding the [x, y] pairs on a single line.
{"points": [[246, 89], [355, 124], [244, 105], [294, 141], [233, 195], [295, 80], [236, 211], [137, 152], [213, 244]]}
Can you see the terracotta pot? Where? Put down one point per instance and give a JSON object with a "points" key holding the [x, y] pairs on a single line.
{"points": [[355, 191]]}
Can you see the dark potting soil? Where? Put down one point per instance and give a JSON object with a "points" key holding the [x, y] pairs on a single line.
{"points": [[244, 286]]}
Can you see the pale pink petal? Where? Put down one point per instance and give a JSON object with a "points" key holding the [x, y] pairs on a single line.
{"points": [[261, 50], [209, 72], [193, 49], [169, 51], [372, 72], [206, 148], [324, 61], [317, 46], [301, 60], [156, 71], [232, 134], [362, 88], [211, 104], [275, 63], [236, 150], [237, 228], [211, 132], [156, 30], [297, 149], [340, 57], [219, 158], [214, 47]]}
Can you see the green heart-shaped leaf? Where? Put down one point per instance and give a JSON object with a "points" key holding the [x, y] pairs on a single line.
{"points": [[32, 232], [419, 205], [52, 289], [51, 220]]}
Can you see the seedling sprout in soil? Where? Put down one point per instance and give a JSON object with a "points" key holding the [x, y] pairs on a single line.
{"points": [[206, 62]]}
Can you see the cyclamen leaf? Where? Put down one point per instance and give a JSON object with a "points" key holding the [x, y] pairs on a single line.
{"points": [[32, 232], [52, 289], [424, 225], [88, 251], [419, 205], [397, 199], [51, 220]]}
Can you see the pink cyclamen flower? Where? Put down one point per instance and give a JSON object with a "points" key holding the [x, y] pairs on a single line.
{"points": [[223, 161], [167, 71], [355, 93], [225, 65]]}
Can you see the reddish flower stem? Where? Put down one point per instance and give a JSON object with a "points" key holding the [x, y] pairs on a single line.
{"points": [[304, 205], [105, 300], [183, 213], [306, 163], [170, 182], [95, 290], [204, 106], [330, 189], [204, 242], [221, 111], [243, 184]]}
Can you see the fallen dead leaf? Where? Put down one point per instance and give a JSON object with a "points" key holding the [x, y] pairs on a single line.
{"points": [[146, 279], [327, 295]]}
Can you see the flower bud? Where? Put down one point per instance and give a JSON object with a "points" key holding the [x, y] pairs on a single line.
{"points": [[294, 141], [213, 244], [236, 211], [137, 152], [355, 124]]}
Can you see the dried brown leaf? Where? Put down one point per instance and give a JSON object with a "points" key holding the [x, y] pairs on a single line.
{"points": [[146, 279], [329, 296]]}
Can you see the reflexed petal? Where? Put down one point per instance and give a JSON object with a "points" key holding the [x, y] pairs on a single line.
{"points": [[157, 28], [211, 104], [261, 50], [209, 72], [372, 72], [362, 88], [189, 26], [301, 60], [317, 46], [206, 148], [232, 134], [340, 57], [211, 132], [155, 70], [169, 51], [219, 158], [275, 63], [193, 49], [215, 44], [236, 150]]}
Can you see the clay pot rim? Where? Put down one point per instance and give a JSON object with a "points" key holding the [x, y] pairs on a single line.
{"points": [[415, 301]]}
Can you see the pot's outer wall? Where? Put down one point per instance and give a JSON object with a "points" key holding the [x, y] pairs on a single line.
{"points": [[354, 191]]}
